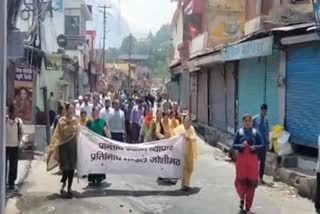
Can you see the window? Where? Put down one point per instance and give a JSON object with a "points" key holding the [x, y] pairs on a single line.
{"points": [[72, 25], [90, 8]]}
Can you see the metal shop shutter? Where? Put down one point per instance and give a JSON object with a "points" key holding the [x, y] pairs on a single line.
{"points": [[218, 116], [251, 87], [303, 93], [230, 80], [272, 91], [202, 108], [183, 101]]}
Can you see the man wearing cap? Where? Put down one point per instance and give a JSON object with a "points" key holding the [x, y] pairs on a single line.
{"points": [[104, 113], [261, 123]]}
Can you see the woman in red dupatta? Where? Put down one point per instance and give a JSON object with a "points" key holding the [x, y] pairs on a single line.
{"points": [[248, 143]]}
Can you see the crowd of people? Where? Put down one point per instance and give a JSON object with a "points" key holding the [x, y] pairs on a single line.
{"points": [[140, 118], [130, 118]]}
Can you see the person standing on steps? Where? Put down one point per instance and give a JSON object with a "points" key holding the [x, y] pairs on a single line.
{"points": [[14, 131], [261, 123]]}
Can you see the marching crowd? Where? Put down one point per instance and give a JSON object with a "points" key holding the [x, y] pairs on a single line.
{"points": [[130, 118], [140, 118]]}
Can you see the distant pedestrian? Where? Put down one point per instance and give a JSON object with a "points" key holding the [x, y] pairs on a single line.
{"points": [[104, 113], [52, 108], [14, 133], [63, 148], [87, 106], [248, 143], [261, 123], [135, 121], [59, 115], [167, 104], [116, 122], [127, 112]]}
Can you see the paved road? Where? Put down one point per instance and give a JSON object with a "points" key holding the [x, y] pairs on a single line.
{"points": [[214, 193]]}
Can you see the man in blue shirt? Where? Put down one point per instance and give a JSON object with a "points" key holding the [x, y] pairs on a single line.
{"points": [[261, 123]]}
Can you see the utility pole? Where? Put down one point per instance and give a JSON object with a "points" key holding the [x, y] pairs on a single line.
{"points": [[130, 52], [3, 88], [104, 36]]}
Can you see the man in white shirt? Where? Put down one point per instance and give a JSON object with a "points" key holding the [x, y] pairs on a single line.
{"points": [[104, 113], [86, 106], [117, 122], [14, 132]]}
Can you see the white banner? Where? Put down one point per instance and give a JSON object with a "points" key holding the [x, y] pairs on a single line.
{"points": [[97, 154]]}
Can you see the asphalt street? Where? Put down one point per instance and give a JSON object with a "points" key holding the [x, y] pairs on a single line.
{"points": [[213, 193]]}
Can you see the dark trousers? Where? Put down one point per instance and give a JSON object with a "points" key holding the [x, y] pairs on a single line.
{"points": [[128, 131], [67, 175], [117, 136], [262, 156], [12, 156], [317, 199], [52, 116]]}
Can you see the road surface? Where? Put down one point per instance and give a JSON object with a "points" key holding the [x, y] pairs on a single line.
{"points": [[213, 193]]}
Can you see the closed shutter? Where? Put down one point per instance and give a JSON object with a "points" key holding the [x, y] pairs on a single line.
{"points": [[251, 86], [173, 90], [272, 91], [202, 103], [194, 95], [183, 101], [230, 69], [258, 85], [303, 92], [218, 116]]}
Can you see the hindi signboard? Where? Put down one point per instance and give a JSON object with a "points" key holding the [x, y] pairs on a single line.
{"points": [[23, 91], [97, 154]]}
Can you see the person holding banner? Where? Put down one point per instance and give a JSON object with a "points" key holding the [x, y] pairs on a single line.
{"points": [[190, 150], [164, 131], [98, 126], [164, 127], [248, 143], [83, 117], [63, 148], [146, 121]]}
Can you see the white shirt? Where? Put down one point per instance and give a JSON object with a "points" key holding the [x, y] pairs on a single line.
{"points": [[12, 132], [318, 164], [104, 114], [88, 108], [116, 121]]}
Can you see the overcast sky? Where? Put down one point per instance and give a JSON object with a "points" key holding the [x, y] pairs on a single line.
{"points": [[147, 15], [138, 17]]}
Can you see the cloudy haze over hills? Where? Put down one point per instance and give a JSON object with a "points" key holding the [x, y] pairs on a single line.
{"points": [[138, 17]]}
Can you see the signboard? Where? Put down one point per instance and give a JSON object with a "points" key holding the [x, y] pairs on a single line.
{"points": [[255, 48], [226, 21], [100, 155], [23, 91]]}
